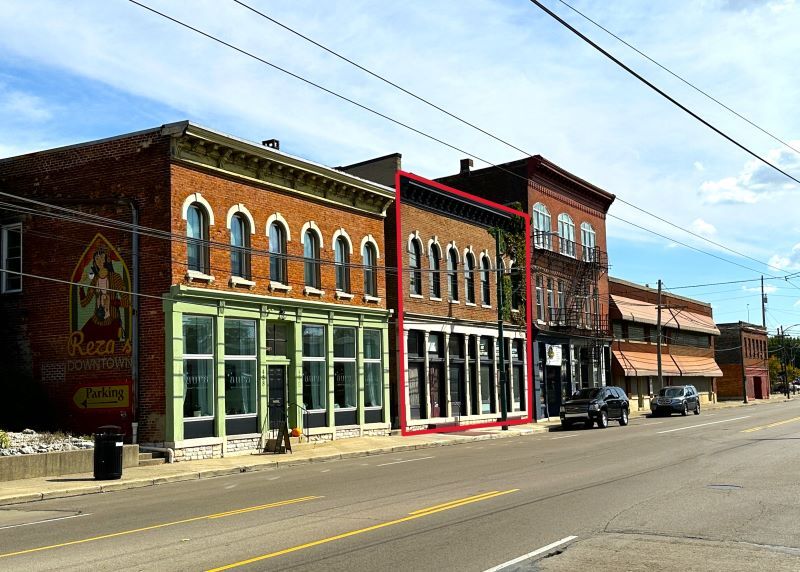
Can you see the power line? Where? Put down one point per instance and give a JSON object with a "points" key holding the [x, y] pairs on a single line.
{"points": [[659, 91], [685, 81]]}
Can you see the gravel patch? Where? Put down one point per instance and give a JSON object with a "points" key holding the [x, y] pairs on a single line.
{"points": [[29, 442]]}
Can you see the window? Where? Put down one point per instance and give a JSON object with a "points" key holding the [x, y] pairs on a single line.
{"points": [[417, 405], [485, 291], [198, 366], [469, 277], [241, 377], [197, 238], [11, 258], [315, 387], [436, 280], [415, 264], [452, 274], [541, 227], [518, 372], [635, 332], [588, 240], [277, 339], [342, 264], [345, 389], [566, 235], [456, 367], [373, 369], [370, 272], [539, 299], [311, 259], [550, 301], [486, 355], [616, 330], [562, 303], [277, 253], [240, 247]]}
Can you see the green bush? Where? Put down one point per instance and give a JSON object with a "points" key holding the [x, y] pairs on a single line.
{"points": [[5, 440]]}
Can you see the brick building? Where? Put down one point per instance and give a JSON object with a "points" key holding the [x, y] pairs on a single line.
{"points": [[742, 345], [449, 355], [688, 340], [255, 283], [569, 270]]}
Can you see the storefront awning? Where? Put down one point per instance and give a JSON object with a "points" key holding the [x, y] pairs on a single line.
{"points": [[693, 322], [641, 312], [694, 366], [640, 364], [636, 310]]}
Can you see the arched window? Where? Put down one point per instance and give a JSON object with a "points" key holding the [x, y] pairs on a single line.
{"points": [[197, 235], [469, 277], [589, 242], [566, 235], [415, 264], [342, 264], [240, 246], [277, 253], [485, 288], [311, 259], [370, 272], [436, 279], [452, 274], [541, 227]]}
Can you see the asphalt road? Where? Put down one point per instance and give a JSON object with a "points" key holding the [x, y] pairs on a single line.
{"points": [[717, 491]]}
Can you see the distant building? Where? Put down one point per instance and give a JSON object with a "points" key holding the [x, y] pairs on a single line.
{"points": [[569, 270], [226, 284], [688, 339], [742, 345]]}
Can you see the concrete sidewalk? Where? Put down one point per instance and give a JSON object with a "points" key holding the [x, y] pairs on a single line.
{"points": [[29, 490]]}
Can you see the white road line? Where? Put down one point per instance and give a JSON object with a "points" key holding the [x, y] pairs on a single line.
{"points": [[532, 554], [47, 520], [406, 461], [325, 471], [563, 437], [653, 423], [704, 424]]}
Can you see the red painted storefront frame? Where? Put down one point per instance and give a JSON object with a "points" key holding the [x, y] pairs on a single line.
{"points": [[401, 349]]}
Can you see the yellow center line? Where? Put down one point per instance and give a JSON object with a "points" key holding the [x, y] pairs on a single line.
{"points": [[412, 516], [162, 525], [759, 428]]}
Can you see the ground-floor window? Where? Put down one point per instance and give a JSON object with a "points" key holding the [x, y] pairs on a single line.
{"points": [[198, 366], [373, 369], [241, 376], [518, 374], [456, 368], [486, 352], [345, 389], [314, 368], [436, 379]]}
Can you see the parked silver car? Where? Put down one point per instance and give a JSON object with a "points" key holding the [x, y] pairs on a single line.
{"points": [[676, 399]]}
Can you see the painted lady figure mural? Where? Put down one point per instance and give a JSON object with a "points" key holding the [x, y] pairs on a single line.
{"points": [[100, 307]]}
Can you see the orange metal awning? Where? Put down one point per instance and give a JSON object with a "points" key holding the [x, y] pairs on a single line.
{"points": [[636, 310], [640, 364], [641, 312], [695, 366]]}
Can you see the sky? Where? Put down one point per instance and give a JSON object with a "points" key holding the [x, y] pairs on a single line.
{"points": [[83, 70]]}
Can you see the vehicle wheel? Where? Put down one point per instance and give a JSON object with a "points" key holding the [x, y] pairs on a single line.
{"points": [[566, 424], [697, 409], [602, 421], [685, 409], [624, 419]]}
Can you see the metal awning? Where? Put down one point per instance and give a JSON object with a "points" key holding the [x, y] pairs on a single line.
{"points": [[641, 364], [641, 312]]}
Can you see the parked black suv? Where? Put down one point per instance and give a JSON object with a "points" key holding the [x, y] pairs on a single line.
{"points": [[676, 399], [596, 405]]}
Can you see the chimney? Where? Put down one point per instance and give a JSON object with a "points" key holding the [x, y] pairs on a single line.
{"points": [[272, 144], [466, 165]]}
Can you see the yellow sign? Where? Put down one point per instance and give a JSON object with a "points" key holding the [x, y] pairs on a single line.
{"points": [[102, 396]]}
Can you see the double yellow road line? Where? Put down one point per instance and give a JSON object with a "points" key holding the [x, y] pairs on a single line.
{"points": [[759, 428], [411, 516]]}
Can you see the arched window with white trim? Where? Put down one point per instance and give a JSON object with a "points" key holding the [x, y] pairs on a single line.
{"points": [[566, 235], [452, 274], [469, 277], [240, 246], [542, 227], [370, 255], [485, 283], [277, 253], [588, 242], [342, 264], [415, 267], [311, 262], [197, 238], [436, 266]]}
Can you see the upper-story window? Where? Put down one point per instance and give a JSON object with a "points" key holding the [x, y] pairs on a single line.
{"points": [[311, 259], [566, 235], [452, 274], [485, 288], [436, 279], [341, 255], [541, 227], [469, 277], [11, 258], [197, 235], [370, 255], [415, 265], [240, 246], [277, 253], [589, 242]]}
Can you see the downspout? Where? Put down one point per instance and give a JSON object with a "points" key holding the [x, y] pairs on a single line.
{"points": [[135, 321]]}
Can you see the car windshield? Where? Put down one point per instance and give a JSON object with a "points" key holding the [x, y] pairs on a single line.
{"points": [[671, 392], [586, 393]]}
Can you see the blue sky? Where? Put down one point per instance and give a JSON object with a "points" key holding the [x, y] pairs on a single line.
{"points": [[76, 71]]}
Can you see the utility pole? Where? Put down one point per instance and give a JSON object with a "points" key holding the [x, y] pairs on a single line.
{"points": [[501, 340], [744, 370], [658, 338], [763, 304], [783, 361]]}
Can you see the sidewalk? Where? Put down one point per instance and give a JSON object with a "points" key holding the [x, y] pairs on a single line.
{"points": [[29, 490]]}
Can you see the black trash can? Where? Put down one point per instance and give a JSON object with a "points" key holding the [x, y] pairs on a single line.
{"points": [[108, 452]]}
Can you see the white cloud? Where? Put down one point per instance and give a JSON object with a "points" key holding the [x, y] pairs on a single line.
{"points": [[698, 166], [790, 261], [703, 228], [23, 106], [768, 288]]}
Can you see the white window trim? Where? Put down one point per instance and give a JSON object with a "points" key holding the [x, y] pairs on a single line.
{"points": [[373, 299], [195, 276], [340, 295], [370, 238], [311, 291], [311, 225], [4, 259], [198, 198], [242, 282], [278, 217], [279, 286], [343, 233], [240, 209]]}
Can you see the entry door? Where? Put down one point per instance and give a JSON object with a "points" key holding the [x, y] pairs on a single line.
{"points": [[553, 386], [436, 378], [277, 395]]}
